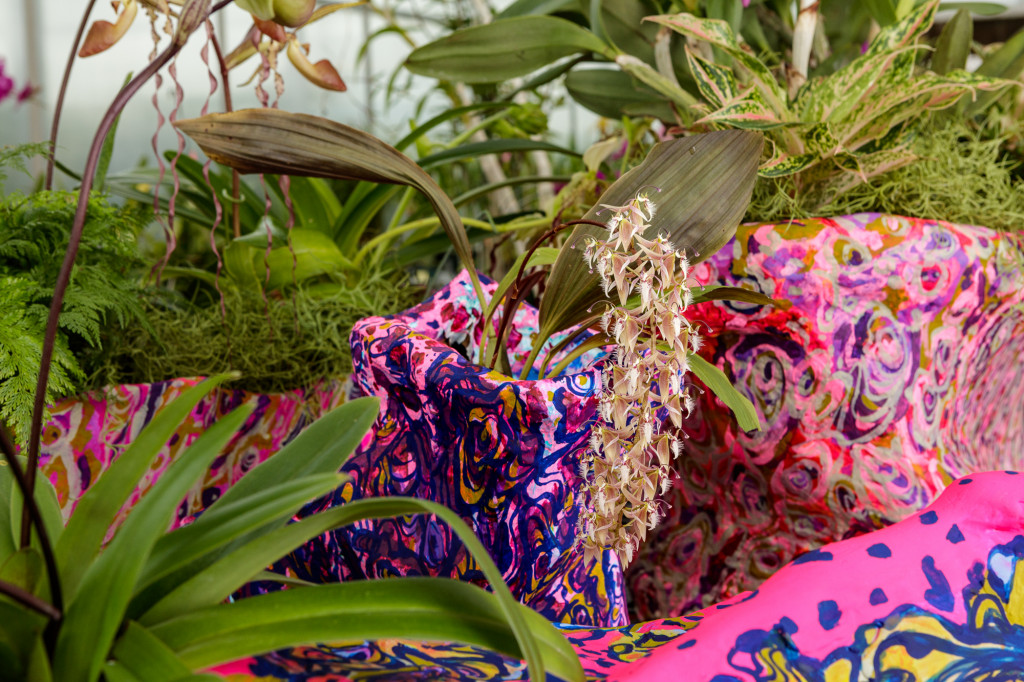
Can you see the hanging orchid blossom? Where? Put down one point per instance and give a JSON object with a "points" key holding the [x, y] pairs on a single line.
{"points": [[628, 462]]}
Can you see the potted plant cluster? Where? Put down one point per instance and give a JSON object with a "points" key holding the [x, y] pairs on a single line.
{"points": [[648, 410]]}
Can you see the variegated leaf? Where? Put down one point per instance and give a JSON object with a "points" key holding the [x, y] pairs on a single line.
{"points": [[832, 98], [746, 114], [715, 82], [820, 140], [784, 164], [906, 30], [927, 92], [720, 34], [860, 168]]}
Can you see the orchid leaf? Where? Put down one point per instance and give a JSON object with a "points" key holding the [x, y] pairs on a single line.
{"points": [[275, 141], [614, 93], [1006, 62], [724, 293], [503, 49], [705, 183], [716, 380], [784, 164], [954, 43]]}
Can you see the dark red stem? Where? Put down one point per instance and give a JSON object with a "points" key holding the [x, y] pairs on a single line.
{"points": [[74, 239], [236, 215], [59, 106], [516, 293]]}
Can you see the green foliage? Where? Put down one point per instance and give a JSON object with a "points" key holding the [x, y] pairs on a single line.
{"points": [[118, 622], [278, 343], [34, 232], [961, 174]]}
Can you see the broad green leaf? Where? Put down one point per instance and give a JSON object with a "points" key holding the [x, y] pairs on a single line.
{"points": [[473, 150], [622, 25], [92, 620], [716, 83], [521, 8], [422, 129], [882, 11], [49, 509], [954, 43], [8, 542], [715, 379], [274, 141], [1006, 62], [102, 501], [705, 183], [309, 254], [650, 77], [982, 8], [24, 568], [503, 49], [484, 190], [314, 203], [614, 93], [430, 609], [218, 581], [20, 631], [240, 265], [146, 657], [180, 554], [115, 672], [715, 292], [321, 448]]}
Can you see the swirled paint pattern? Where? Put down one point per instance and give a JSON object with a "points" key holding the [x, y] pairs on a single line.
{"points": [[895, 370]]}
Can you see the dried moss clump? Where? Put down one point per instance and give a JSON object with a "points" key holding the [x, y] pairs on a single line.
{"points": [[277, 344], [962, 175]]}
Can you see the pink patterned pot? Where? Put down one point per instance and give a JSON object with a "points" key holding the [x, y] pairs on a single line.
{"points": [[896, 370]]}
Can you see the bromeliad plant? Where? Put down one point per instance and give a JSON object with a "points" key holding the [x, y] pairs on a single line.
{"points": [[149, 606]]}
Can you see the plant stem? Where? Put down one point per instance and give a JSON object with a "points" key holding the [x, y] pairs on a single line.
{"points": [[28, 599], [59, 106], [596, 341], [30, 511], [64, 277], [236, 214]]}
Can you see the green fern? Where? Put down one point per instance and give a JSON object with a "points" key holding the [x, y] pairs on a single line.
{"points": [[34, 232]]}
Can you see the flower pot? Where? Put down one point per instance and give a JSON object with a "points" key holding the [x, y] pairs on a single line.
{"points": [[86, 433], [896, 369], [500, 452], [933, 597]]}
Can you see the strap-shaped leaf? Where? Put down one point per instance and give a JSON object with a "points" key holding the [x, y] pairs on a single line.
{"points": [[217, 582], [182, 553], [612, 93], [723, 293], [834, 97], [430, 609], [1006, 62], [320, 448], [715, 379], [146, 657], [954, 43], [652, 78], [98, 507], [782, 165], [705, 183], [93, 619], [275, 141], [503, 49]]}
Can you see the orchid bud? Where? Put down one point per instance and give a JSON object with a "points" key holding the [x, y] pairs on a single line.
{"points": [[293, 13]]}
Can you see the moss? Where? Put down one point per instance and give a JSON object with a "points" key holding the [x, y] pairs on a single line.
{"points": [[277, 344], [961, 175]]}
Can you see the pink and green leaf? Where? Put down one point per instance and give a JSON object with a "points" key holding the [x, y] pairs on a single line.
{"points": [[716, 82]]}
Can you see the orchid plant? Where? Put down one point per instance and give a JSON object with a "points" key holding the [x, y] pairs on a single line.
{"points": [[629, 460]]}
